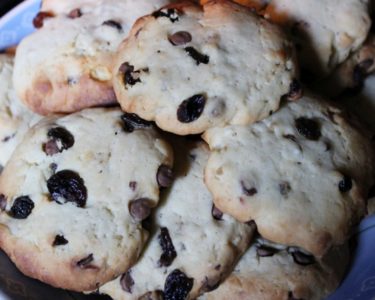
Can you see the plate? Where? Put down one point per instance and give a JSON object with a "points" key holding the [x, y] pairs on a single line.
{"points": [[359, 284]]}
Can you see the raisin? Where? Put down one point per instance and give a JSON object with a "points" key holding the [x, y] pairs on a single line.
{"points": [[266, 251], [217, 214], [133, 185], [164, 176], [180, 38], [346, 184], [177, 286], [59, 241], [191, 109], [22, 207], [140, 209], [302, 258], [197, 56], [38, 20], [75, 13], [127, 282], [67, 186], [295, 91], [132, 122], [169, 13], [131, 77], [248, 191], [166, 244], [3, 202], [113, 24], [308, 128], [85, 263], [60, 140]]}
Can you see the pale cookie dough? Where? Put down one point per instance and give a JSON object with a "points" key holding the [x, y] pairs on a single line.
{"points": [[274, 272], [190, 68], [194, 246], [302, 174], [66, 65], [15, 118], [74, 194], [325, 31]]}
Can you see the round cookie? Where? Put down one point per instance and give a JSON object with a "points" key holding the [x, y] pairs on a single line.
{"points": [[72, 70], [257, 5], [187, 67], [15, 118], [325, 31], [302, 174], [273, 272], [194, 246], [75, 192]]}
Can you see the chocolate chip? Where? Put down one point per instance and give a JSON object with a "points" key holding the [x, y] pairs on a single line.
{"points": [[197, 56], [191, 108], [346, 184], [59, 241], [302, 258], [308, 128], [170, 13], [248, 191], [67, 186], [133, 185], [295, 91], [180, 38], [60, 140], [266, 251], [140, 209], [3, 202], [217, 214], [284, 188], [131, 77], [85, 263], [38, 20], [127, 282], [166, 244], [113, 24], [21, 208], [132, 122], [75, 13], [177, 286], [291, 297], [164, 176]]}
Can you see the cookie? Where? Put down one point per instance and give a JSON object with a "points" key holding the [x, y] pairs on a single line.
{"points": [[187, 67], [273, 272], [72, 70], [15, 118], [325, 31], [75, 193], [256, 5], [194, 246], [302, 174]]}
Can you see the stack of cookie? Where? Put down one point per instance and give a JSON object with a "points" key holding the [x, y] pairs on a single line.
{"points": [[179, 156]]}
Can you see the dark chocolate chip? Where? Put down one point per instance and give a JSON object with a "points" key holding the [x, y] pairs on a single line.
{"points": [[308, 128], [21, 208], [177, 286], [85, 263], [266, 251], [346, 184], [38, 20], [132, 122], [164, 176], [75, 13], [60, 140], [3, 202], [140, 209], [180, 38], [127, 282], [133, 185], [170, 13], [166, 244], [284, 188], [191, 108], [131, 77], [114, 24], [59, 241], [67, 186], [217, 214], [295, 91], [248, 191], [197, 56], [302, 258]]}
